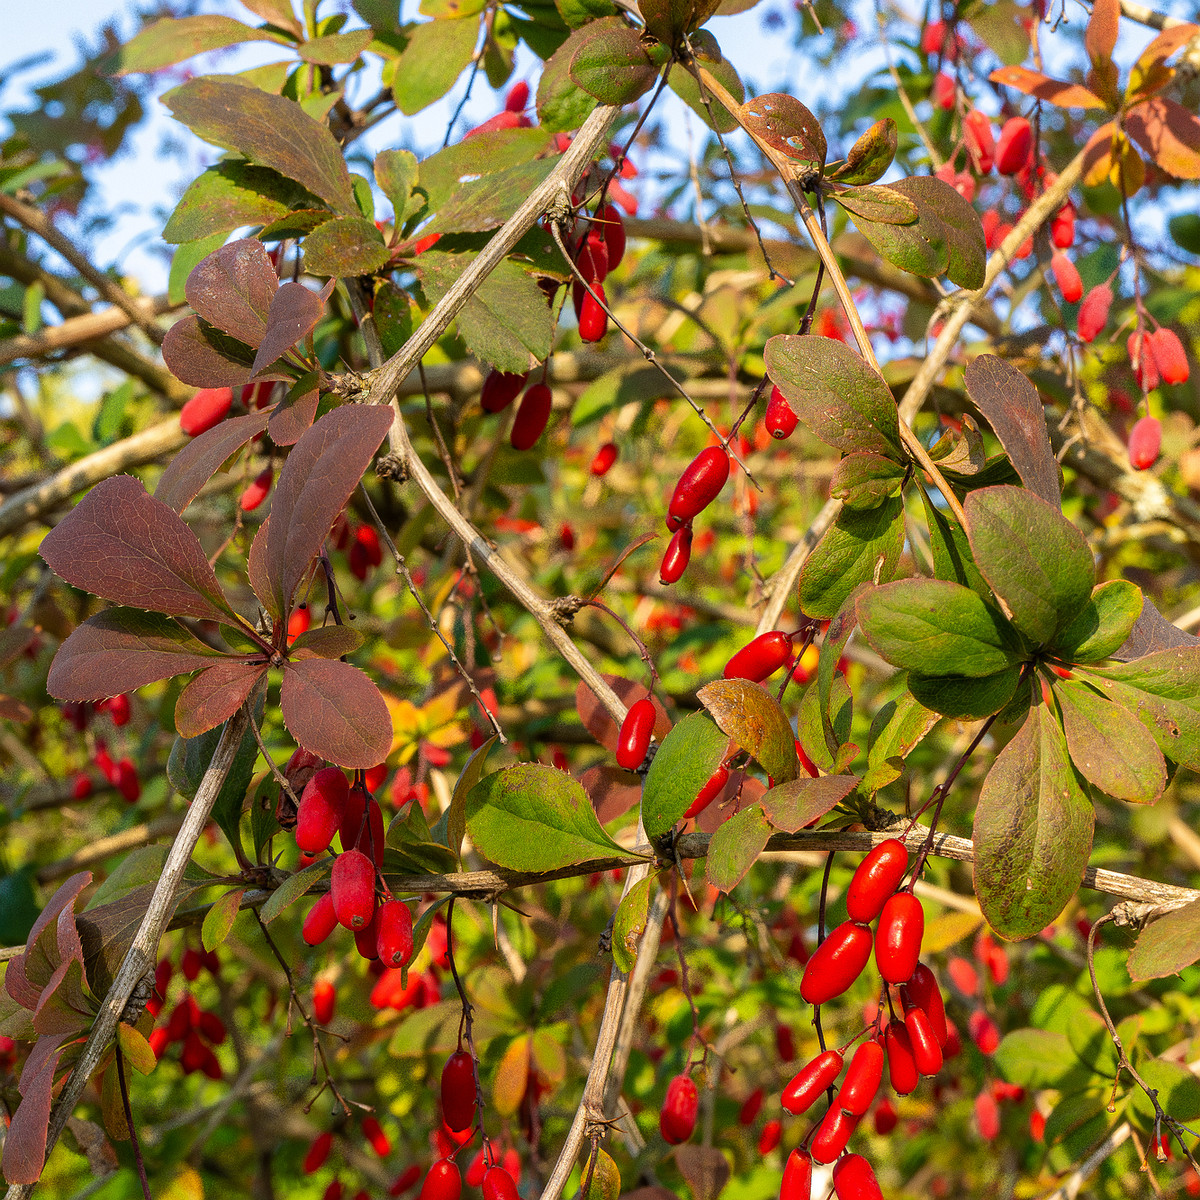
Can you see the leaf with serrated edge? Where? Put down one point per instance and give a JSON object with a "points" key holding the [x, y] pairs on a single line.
{"points": [[293, 887], [835, 393], [896, 729], [336, 711], [1167, 944], [1036, 562], [535, 818], [735, 846], [472, 772], [345, 247], [189, 351], [684, 763], [753, 718], [1033, 831], [129, 548], [1102, 625], [202, 457], [630, 923], [219, 919], [787, 125], [1111, 748], [233, 289], [793, 805], [214, 695]]}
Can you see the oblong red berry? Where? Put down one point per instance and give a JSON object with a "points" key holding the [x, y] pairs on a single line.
{"points": [[444, 1181], [1014, 146], [877, 877], [708, 793], [531, 418], [981, 142], [898, 937], [604, 459], [458, 1092], [836, 963], [366, 939], [1170, 356], [208, 407], [832, 1135], [1093, 312], [517, 98], [318, 1152], [761, 658], [609, 224], [699, 485], [902, 1067], [256, 491], [500, 389], [863, 1077], [380, 1142], [593, 320], [371, 836], [810, 1081], [797, 1176], [636, 731], [677, 1120], [1141, 358], [321, 920], [394, 933], [1066, 275], [927, 1054], [677, 556], [1062, 228], [352, 885], [780, 420], [322, 805], [498, 1184], [853, 1179], [923, 991], [324, 1001]]}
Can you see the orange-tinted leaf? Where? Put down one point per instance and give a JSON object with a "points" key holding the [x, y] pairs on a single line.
{"points": [[1097, 155], [1101, 35], [1127, 171], [784, 123], [1042, 87], [1169, 134], [1149, 74], [512, 1076]]}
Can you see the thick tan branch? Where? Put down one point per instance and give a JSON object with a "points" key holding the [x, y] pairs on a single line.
{"points": [[76, 331]]}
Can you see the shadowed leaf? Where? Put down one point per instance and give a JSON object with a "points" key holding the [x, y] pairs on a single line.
{"points": [[965, 697], [1103, 624], [295, 412], [196, 356], [791, 806], [202, 457], [1167, 945], [685, 761], [1152, 632], [25, 1142], [858, 547], [334, 710], [220, 918], [30, 972], [753, 718], [630, 923], [293, 887], [735, 846], [896, 728], [869, 158], [214, 696], [1168, 133], [705, 1169], [232, 289]]}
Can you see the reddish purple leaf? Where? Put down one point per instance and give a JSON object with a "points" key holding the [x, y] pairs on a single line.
{"points": [[194, 359], [202, 457], [294, 413], [233, 289], [1151, 633], [294, 314], [128, 547], [12, 709], [63, 1006], [331, 641], [29, 973], [321, 472], [214, 696], [256, 568], [122, 649], [334, 710], [25, 1145], [13, 641]]}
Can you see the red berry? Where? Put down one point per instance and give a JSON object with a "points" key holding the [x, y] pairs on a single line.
{"points": [[898, 937], [797, 1177], [118, 708], [318, 1152], [927, 1054], [502, 120], [324, 1001], [257, 491], [212, 1027], [708, 793], [333, 1191], [81, 786], [699, 485], [780, 420], [963, 975], [1169, 356], [981, 144], [298, 623], [750, 1107], [352, 885], [902, 1067], [208, 407], [987, 1116], [877, 877], [1093, 312], [322, 806], [811, 1081], [321, 920], [500, 389], [985, 1033], [366, 939], [405, 1180], [636, 731], [761, 658], [127, 781], [1067, 277], [371, 837], [444, 1181], [832, 1135], [379, 1140], [498, 1184], [678, 555], [885, 1117], [517, 98], [1015, 146], [772, 1131], [837, 963], [458, 1092], [678, 1117], [863, 1077], [1062, 228], [922, 989], [395, 933], [785, 1044], [853, 1179], [943, 91], [592, 261], [608, 223], [1145, 441], [605, 457], [354, 818], [593, 320], [531, 418]]}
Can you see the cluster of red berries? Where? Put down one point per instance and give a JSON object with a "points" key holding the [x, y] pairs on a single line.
{"points": [[210, 406], [600, 251], [698, 486], [194, 1029]]}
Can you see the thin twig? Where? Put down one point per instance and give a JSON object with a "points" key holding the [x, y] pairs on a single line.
{"points": [[123, 1084]]}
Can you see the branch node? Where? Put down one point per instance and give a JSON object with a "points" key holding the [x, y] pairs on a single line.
{"points": [[565, 608], [392, 466]]}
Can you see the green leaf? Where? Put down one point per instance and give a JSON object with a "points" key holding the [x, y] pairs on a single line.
{"points": [[834, 643], [506, 322], [232, 194], [345, 246], [735, 846], [436, 55], [1111, 748], [1101, 626], [614, 66], [137, 1051], [442, 173], [951, 551], [963, 697], [896, 729], [864, 481], [813, 724], [857, 547], [936, 628], [1078, 1121], [1033, 831], [486, 203], [535, 818], [185, 259], [1035, 561], [869, 158], [629, 383], [293, 887], [396, 173], [456, 812], [272, 131], [1163, 692], [750, 715], [791, 806], [393, 316], [669, 20], [219, 919], [880, 204], [1036, 1059], [630, 923], [336, 48], [1167, 944], [171, 40], [683, 83], [1178, 1093], [577, 13], [561, 103], [835, 393], [19, 908], [605, 1182], [684, 763], [1092, 1045]]}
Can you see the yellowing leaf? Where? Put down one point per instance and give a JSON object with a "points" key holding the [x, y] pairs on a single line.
{"points": [[948, 930], [512, 1077]]}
